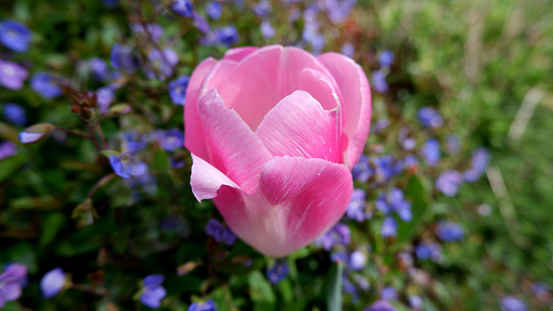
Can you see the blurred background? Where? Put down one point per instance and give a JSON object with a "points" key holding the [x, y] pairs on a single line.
{"points": [[452, 203]]}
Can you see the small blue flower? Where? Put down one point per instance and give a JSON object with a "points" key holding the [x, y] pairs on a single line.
{"points": [[183, 8], [362, 171], [124, 58], [105, 96], [12, 75], [394, 201], [388, 293], [53, 282], [98, 68], [125, 167], [379, 125], [386, 58], [426, 251], [389, 227], [7, 149], [267, 30], [448, 182], [15, 35], [338, 257], [379, 81], [430, 117], [453, 144], [153, 292], [449, 231], [356, 207], [161, 65], [348, 49], [339, 10], [415, 302], [357, 260], [410, 162], [14, 113], [510, 303], [219, 232], [30, 137], [262, 8], [227, 35], [479, 163], [201, 23], [205, 306], [44, 84], [278, 272], [431, 151], [381, 305], [11, 282], [172, 139], [540, 290], [338, 235], [110, 4], [214, 10], [155, 31], [177, 89]]}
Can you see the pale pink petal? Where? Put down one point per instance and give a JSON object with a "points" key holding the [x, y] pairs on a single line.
{"points": [[263, 78], [206, 179], [356, 101], [237, 54], [299, 127], [297, 201], [232, 146], [194, 136]]}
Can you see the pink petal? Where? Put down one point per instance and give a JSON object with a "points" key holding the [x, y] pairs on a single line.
{"points": [[232, 146], [194, 137], [263, 78], [356, 101], [206, 179], [299, 127], [237, 54], [298, 199]]}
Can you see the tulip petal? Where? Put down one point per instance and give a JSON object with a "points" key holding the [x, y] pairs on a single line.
{"points": [[299, 127], [298, 199], [263, 78], [233, 148], [237, 54], [356, 101], [193, 128], [206, 179]]}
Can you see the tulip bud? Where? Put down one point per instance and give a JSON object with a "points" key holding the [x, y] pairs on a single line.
{"points": [[35, 133]]}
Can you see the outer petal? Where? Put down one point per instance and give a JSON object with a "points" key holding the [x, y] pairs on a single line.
{"points": [[298, 199], [194, 136], [237, 54], [356, 101], [206, 179], [299, 127], [232, 146]]}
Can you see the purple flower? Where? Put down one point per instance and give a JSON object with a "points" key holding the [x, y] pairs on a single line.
{"points": [[426, 251], [381, 305], [407, 142], [183, 8], [105, 97], [172, 139], [227, 35], [110, 4], [385, 167], [379, 81], [267, 30], [205, 306], [510, 303], [152, 292], [448, 182], [214, 10], [201, 23], [479, 163], [339, 10], [449, 231], [99, 68], [314, 38], [262, 8], [379, 125], [12, 76], [430, 117], [7, 149], [161, 65], [15, 35], [14, 113], [52, 282], [153, 30], [278, 272], [540, 289], [431, 151], [388, 293], [357, 260], [415, 302], [219, 232], [125, 167], [337, 235], [389, 227], [410, 162], [362, 171], [348, 49], [394, 201], [11, 282], [177, 89], [453, 144], [386, 58], [124, 58], [356, 207], [338, 257], [44, 84]]}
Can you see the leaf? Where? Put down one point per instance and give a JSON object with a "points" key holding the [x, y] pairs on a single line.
{"points": [[47, 203], [161, 161], [417, 195], [10, 165], [24, 253], [51, 225], [334, 300], [261, 292]]}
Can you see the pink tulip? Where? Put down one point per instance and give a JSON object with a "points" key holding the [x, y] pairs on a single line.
{"points": [[274, 133]]}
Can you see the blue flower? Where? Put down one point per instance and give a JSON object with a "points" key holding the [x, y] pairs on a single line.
{"points": [[510, 303], [153, 30], [14, 113], [362, 171], [449, 231], [172, 139], [125, 167], [183, 7], [356, 207], [448, 182], [227, 35], [381, 305], [152, 292], [267, 30], [389, 227], [388, 293], [7, 149], [540, 290], [337, 235], [161, 65], [348, 49], [357, 260], [201, 23], [124, 58], [11, 282], [278, 272], [219, 232], [379, 81], [410, 162], [453, 144], [206, 306], [43, 83], [12, 75], [386, 58], [52, 282], [431, 151], [407, 142], [339, 10], [214, 10], [379, 125], [98, 68], [415, 302], [262, 8], [426, 251], [394, 202], [15, 35], [110, 4], [479, 163], [430, 117], [177, 89], [105, 97]]}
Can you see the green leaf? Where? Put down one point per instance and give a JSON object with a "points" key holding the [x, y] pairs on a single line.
{"points": [[10, 165], [285, 289], [24, 253], [334, 300], [51, 225], [261, 292], [161, 161], [417, 195]]}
